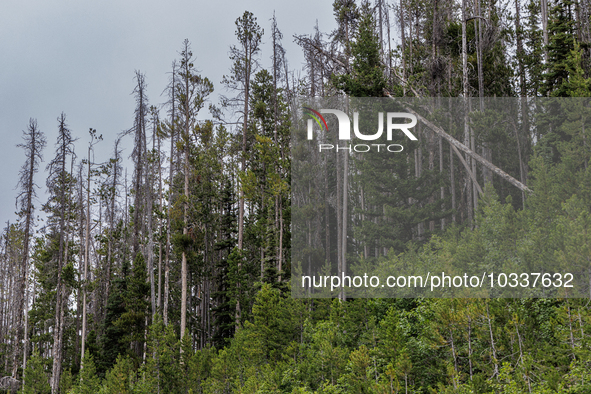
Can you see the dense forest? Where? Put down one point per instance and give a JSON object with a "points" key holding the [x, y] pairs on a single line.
{"points": [[173, 276]]}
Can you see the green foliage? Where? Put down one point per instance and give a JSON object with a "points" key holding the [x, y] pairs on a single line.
{"points": [[272, 327], [561, 43], [136, 306], [112, 343], [367, 78], [275, 343], [577, 85], [88, 381], [36, 379], [163, 370], [120, 379], [66, 381]]}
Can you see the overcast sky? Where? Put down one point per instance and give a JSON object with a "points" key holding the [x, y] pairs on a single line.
{"points": [[79, 57]]}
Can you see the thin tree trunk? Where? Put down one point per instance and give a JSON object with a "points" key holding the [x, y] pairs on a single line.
{"points": [[470, 344], [492, 343], [61, 259], [150, 214], [403, 41], [33, 148], [159, 300], [466, 93], [185, 219], [170, 198], [86, 248], [544, 9]]}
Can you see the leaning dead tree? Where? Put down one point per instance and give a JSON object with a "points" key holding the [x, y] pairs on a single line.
{"points": [[457, 145]]}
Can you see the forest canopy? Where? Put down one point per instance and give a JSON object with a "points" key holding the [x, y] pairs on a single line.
{"points": [[173, 275]]}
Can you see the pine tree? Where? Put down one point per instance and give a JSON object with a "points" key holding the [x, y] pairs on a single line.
{"points": [[193, 91], [88, 381], [225, 309], [561, 43], [164, 369], [367, 76], [249, 35], [136, 301], [120, 378], [36, 380], [112, 342]]}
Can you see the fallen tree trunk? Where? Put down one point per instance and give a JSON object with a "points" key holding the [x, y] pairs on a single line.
{"points": [[458, 145]]}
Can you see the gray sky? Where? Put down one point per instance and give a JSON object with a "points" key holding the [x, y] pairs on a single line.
{"points": [[79, 57]]}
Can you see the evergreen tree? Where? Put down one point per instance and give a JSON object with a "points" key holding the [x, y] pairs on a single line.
{"points": [[88, 381], [164, 369], [120, 378], [192, 91], [112, 342], [561, 43], [133, 321], [367, 76], [36, 379], [224, 311], [249, 35]]}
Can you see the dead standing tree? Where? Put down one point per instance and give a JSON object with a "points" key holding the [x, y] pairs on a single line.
{"points": [[59, 184], [170, 127], [93, 140], [34, 142], [139, 159]]}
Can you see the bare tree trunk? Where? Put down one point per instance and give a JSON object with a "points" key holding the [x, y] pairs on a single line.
{"points": [[522, 94], [86, 248], [139, 155], [544, 9], [150, 213], [170, 197], [486, 151], [403, 40], [243, 166], [389, 45], [520, 342], [276, 35], [160, 202], [455, 358], [451, 156], [570, 330], [62, 258], [326, 213], [492, 343], [186, 141], [34, 144], [466, 94], [470, 344], [113, 196]]}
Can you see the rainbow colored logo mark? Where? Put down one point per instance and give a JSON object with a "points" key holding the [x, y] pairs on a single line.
{"points": [[316, 116]]}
